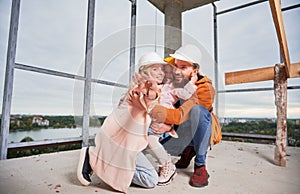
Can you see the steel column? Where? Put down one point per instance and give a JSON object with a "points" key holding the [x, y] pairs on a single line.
{"points": [[9, 77], [216, 58], [88, 72], [132, 39]]}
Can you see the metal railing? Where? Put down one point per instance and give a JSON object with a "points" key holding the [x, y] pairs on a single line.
{"points": [[67, 141]]}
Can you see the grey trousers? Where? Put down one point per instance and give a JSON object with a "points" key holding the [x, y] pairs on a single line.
{"points": [[145, 174]]}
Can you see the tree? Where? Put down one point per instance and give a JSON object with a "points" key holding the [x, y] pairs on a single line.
{"points": [[27, 139]]}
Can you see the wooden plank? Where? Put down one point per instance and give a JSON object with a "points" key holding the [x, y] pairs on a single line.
{"points": [[295, 70], [259, 74], [280, 91], [278, 22], [252, 75]]}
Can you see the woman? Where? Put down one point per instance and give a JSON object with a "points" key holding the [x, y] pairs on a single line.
{"points": [[117, 157]]}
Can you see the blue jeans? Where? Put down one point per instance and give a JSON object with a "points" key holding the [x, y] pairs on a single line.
{"points": [[195, 132], [145, 174]]}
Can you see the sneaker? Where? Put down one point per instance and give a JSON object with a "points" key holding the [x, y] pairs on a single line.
{"points": [[84, 169], [186, 157], [200, 177], [166, 173], [173, 133]]}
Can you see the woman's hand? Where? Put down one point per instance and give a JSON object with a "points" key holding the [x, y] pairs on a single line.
{"points": [[143, 86], [160, 128], [146, 86]]}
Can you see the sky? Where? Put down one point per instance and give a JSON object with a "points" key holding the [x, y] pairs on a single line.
{"points": [[52, 35]]}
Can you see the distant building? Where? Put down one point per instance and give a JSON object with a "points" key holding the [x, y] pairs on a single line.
{"points": [[241, 120], [37, 119], [15, 119], [45, 122], [40, 121]]}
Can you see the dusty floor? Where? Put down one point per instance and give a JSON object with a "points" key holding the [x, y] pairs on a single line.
{"points": [[233, 167]]}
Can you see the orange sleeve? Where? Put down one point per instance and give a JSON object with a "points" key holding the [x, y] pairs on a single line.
{"points": [[173, 116], [205, 92], [204, 96]]}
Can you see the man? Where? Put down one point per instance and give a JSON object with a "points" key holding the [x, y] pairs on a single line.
{"points": [[193, 116]]}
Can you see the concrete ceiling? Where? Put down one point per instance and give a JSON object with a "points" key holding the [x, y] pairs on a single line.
{"points": [[187, 4]]}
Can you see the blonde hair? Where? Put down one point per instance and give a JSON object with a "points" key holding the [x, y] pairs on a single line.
{"points": [[144, 71]]}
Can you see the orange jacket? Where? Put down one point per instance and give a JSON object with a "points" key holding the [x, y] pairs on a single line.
{"points": [[204, 96]]}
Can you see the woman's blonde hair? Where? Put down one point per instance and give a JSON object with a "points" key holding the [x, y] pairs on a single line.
{"points": [[144, 71]]}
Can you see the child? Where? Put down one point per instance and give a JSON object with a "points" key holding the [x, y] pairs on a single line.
{"points": [[169, 95]]}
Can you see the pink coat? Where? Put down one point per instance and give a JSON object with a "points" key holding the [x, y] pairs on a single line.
{"points": [[122, 135]]}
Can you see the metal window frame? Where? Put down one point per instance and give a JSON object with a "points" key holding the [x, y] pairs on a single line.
{"points": [[215, 31], [11, 65]]}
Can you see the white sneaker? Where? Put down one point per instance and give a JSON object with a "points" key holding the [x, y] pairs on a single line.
{"points": [[166, 173]]}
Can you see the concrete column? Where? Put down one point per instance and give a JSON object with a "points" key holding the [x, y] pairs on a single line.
{"points": [[173, 25]]}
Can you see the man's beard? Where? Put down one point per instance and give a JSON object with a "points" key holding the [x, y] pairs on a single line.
{"points": [[180, 83]]}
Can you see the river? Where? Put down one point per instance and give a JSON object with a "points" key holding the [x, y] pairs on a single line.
{"points": [[42, 134]]}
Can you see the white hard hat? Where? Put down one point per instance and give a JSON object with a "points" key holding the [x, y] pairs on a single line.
{"points": [[189, 53], [150, 58]]}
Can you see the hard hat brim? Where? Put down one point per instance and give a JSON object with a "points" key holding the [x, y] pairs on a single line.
{"points": [[181, 57]]}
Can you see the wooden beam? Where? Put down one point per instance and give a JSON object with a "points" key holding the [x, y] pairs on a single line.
{"points": [[259, 74], [278, 22], [295, 70], [252, 75]]}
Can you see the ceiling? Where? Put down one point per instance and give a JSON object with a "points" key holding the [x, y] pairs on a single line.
{"points": [[187, 4]]}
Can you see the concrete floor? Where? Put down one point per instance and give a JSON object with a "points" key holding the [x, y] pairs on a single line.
{"points": [[233, 167]]}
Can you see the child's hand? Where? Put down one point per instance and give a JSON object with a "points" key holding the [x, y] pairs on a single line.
{"points": [[194, 77]]}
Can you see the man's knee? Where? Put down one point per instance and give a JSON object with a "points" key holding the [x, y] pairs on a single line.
{"points": [[198, 110]]}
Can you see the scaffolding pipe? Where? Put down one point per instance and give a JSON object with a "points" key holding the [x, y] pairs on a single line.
{"points": [[254, 3], [88, 73], [132, 39], [241, 6], [256, 89], [216, 57], [9, 77], [290, 7], [63, 74]]}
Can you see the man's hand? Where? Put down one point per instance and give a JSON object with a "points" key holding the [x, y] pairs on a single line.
{"points": [[158, 113], [160, 128]]}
